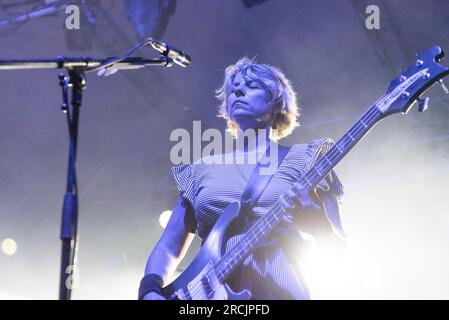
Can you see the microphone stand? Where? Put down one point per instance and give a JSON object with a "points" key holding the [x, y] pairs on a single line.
{"points": [[75, 80]]}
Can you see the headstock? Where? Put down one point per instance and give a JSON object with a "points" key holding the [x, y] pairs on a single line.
{"points": [[408, 87]]}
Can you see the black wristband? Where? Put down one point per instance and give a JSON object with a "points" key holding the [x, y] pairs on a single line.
{"points": [[150, 283]]}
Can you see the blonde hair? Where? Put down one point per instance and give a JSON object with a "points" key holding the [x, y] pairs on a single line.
{"points": [[281, 93]]}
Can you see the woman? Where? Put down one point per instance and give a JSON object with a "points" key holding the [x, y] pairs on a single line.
{"points": [[253, 97]]}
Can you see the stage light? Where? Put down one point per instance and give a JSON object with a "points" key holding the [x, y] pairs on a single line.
{"points": [[9, 246], [149, 18], [325, 271], [164, 217]]}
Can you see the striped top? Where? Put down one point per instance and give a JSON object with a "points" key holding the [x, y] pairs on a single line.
{"points": [[271, 272]]}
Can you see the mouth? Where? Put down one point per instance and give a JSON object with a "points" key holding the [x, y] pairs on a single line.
{"points": [[237, 102]]}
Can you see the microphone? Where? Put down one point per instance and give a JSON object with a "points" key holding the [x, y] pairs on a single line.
{"points": [[179, 57]]}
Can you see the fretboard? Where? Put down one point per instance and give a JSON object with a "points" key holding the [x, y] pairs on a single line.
{"points": [[263, 226]]}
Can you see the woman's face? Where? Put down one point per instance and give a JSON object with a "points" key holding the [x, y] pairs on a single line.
{"points": [[248, 104]]}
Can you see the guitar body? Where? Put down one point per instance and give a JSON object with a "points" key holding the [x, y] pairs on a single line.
{"points": [[199, 281]]}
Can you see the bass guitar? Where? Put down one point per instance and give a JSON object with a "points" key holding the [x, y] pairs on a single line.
{"points": [[205, 278]]}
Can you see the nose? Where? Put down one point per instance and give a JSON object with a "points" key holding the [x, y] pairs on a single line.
{"points": [[239, 93]]}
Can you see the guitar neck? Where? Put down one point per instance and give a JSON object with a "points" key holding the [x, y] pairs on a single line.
{"points": [[262, 227], [328, 161]]}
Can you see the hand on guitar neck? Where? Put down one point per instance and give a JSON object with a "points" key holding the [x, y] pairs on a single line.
{"points": [[310, 211]]}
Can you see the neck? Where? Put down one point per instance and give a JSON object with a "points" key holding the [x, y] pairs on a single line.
{"points": [[253, 141]]}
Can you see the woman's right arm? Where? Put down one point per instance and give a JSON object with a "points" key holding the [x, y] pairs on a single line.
{"points": [[172, 246]]}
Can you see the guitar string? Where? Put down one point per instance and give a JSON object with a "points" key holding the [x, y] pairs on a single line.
{"points": [[332, 156], [231, 254], [198, 287], [356, 129]]}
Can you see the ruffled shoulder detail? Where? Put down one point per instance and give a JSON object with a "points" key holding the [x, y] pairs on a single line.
{"points": [[184, 177]]}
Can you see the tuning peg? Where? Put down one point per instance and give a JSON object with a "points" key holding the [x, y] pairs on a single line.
{"points": [[443, 86], [423, 104]]}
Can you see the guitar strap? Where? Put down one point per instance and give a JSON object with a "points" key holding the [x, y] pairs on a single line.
{"points": [[260, 178]]}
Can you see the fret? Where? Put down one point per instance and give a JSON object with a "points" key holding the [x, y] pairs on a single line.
{"points": [[270, 218], [347, 140], [307, 180], [221, 270], [313, 178], [321, 166], [234, 256], [356, 131], [219, 275], [371, 114], [332, 157], [359, 128], [318, 171], [254, 234], [261, 225], [335, 155], [266, 222], [338, 148], [367, 118], [269, 221], [251, 236], [363, 123], [350, 136], [238, 247], [258, 229], [342, 144], [225, 269], [269, 225], [264, 225], [233, 261], [276, 214]]}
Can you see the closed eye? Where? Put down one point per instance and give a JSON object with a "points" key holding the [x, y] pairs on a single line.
{"points": [[253, 85]]}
